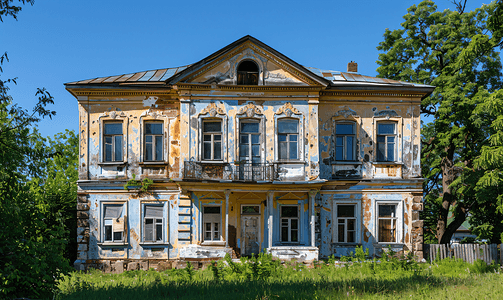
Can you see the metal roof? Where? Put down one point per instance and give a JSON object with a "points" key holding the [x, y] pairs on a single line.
{"points": [[159, 75]]}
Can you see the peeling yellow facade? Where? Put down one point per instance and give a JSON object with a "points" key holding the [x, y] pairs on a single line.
{"points": [[248, 151]]}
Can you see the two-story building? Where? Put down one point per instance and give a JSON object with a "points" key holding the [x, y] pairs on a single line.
{"points": [[248, 151]]}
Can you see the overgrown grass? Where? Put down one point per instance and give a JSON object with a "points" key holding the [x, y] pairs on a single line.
{"points": [[264, 278]]}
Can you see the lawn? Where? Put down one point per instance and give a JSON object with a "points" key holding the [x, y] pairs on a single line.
{"points": [[264, 278]]}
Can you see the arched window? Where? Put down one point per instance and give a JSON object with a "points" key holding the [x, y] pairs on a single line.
{"points": [[247, 73]]}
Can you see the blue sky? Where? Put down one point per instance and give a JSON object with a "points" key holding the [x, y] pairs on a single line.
{"points": [[58, 41]]}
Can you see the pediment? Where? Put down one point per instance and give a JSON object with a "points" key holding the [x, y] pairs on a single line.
{"points": [[211, 196], [274, 69], [252, 196], [291, 196]]}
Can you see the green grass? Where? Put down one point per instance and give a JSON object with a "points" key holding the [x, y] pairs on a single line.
{"points": [[266, 279]]}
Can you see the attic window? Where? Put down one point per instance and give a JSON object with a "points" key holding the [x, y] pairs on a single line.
{"points": [[247, 73]]}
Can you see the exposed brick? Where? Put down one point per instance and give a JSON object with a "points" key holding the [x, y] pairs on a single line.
{"points": [[132, 266], [418, 199], [143, 265], [82, 222], [82, 199], [82, 206], [415, 215], [417, 206], [82, 214], [417, 224]]}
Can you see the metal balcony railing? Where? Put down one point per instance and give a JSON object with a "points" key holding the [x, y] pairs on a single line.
{"points": [[253, 172], [207, 171]]}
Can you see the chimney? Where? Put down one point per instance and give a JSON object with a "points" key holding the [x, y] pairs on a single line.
{"points": [[352, 67]]}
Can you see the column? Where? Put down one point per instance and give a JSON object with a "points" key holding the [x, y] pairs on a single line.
{"points": [[227, 194], [270, 196], [312, 195]]}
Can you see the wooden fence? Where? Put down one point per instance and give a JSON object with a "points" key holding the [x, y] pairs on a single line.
{"points": [[467, 252]]}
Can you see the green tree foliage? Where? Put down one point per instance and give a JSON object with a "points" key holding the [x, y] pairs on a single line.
{"points": [[33, 238], [456, 51]]}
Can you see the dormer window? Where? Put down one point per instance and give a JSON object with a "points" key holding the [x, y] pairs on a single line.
{"points": [[247, 73]]}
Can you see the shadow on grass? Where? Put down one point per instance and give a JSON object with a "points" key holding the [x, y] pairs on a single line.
{"points": [[304, 289]]}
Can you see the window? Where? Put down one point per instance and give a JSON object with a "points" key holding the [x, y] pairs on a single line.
{"points": [[247, 73], [212, 140], [288, 135], [113, 223], [211, 222], [153, 223], [249, 141], [346, 223], [387, 223], [153, 141], [386, 141], [345, 141], [289, 223], [113, 142]]}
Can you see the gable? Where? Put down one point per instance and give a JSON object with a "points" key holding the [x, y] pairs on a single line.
{"points": [[274, 69]]}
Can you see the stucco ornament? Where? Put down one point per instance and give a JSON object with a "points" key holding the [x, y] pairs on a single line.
{"points": [[113, 114], [251, 110], [387, 113], [152, 113], [346, 113], [288, 110], [212, 109]]}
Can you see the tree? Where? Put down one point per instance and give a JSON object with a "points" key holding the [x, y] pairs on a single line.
{"points": [[31, 249], [456, 51]]}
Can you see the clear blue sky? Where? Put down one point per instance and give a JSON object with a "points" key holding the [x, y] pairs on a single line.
{"points": [[58, 41]]}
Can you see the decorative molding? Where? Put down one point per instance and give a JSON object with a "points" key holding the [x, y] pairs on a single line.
{"points": [[120, 93], [387, 113], [212, 109], [382, 94], [251, 110], [346, 113], [113, 114], [288, 110]]}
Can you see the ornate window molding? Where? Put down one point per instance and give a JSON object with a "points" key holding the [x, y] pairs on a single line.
{"points": [[217, 113], [114, 117], [153, 115], [249, 113]]}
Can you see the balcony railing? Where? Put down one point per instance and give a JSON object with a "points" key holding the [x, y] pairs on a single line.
{"points": [[246, 172]]}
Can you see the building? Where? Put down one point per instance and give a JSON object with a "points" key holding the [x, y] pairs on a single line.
{"points": [[248, 151]]}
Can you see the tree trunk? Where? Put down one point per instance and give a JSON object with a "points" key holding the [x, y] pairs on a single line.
{"points": [[447, 197]]}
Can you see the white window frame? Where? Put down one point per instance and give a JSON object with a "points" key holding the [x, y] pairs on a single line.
{"points": [[109, 222], [357, 217], [398, 138], [261, 139], [113, 117], [288, 111], [345, 143], [387, 142], [154, 231], [398, 219], [289, 224], [212, 222], [223, 134], [114, 146]]}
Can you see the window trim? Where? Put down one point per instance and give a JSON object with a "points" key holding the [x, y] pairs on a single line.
{"points": [[259, 73], [358, 221], [221, 229], [144, 142], [165, 223], [346, 116], [124, 215], [259, 64], [399, 221], [113, 117], [299, 224], [300, 141], [261, 131], [212, 142], [154, 116], [200, 139], [398, 139], [355, 141]]}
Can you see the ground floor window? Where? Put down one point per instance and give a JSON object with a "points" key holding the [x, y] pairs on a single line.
{"points": [[387, 223], [289, 223], [113, 223], [153, 223], [212, 218], [346, 223]]}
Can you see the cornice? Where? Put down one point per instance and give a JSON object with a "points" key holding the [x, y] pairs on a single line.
{"points": [[370, 93], [254, 88]]}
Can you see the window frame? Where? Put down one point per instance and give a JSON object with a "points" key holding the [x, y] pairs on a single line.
{"points": [[222, 141], [398, 221], [357, 217], [154, 231], [104, 143], [212, 231], [104, 224], [386, 142], [163, 143], [289, 223], [288, 141], [344, 146], [246, 73], [398, 139], [249, 158]]}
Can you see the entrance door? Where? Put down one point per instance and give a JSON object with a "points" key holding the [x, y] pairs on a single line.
{"points": [[250, 229]]}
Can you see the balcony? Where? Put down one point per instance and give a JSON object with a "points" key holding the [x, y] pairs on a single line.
{"points": [[244, 172]]}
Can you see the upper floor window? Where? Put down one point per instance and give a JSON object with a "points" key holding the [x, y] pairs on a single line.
{"points": [[113, 142], [288, 139], [249, 141], [153, 141], [212, 140], [247, 73], [386, 141], [345, 141]]}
